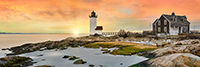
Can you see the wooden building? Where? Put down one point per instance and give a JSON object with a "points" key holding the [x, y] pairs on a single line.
{"points": [[171, 25]]}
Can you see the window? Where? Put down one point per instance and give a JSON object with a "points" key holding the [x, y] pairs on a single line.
{"points": [[175, 19], [165, 22], [165, 29], [159, 29], [159, 22]]}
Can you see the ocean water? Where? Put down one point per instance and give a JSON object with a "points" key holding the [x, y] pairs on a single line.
{"points": [[11, 40], [53, 57]]}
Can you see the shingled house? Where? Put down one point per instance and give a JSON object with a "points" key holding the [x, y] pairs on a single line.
{"points": [[171, 25]]}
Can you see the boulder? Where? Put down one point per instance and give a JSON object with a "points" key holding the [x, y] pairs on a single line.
{"points": [[195, 42], [40, 55], [197, 63], [154, 45], [178, 44], [73, 58], [198, 53], [66, 56], [44, 66], [15, 61], [80, 61], [5, 49], [100, 65], [105, 51], [164, 44], [43, 59], [178, 64], [91, 65]]}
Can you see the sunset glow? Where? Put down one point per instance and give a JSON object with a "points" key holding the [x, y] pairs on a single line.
{"points": [[76, 32], [63, 16]]}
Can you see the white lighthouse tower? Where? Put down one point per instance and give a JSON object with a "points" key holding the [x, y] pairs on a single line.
{"points": [[93, 22]]}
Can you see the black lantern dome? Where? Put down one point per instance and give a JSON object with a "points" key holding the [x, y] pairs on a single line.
{"points": [[93, 14]]}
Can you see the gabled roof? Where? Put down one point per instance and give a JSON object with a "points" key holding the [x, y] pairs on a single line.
{"points": [[155, 21], [179, 18], [99, 28]]}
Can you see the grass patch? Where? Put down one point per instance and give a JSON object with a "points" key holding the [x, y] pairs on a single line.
{"points": [[125, 48], [103, 45], [14, 61], [129, 50]]}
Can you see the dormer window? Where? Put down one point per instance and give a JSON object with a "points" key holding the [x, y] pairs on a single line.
{"points": [[173, 18], [185, 19], [182, 19]]}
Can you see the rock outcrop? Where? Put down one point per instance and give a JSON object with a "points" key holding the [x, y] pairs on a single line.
{"points": [[175, 48], [80, 61], [105, 51], [15, 61], [172, 60], [66, 56], [44, 66], [73, 57], [63, 44], [184, 53]]}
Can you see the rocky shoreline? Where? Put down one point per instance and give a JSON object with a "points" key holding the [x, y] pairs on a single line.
{"points": [[16, 61], [180, 54], [184, 49], [60, 45], [48, 45]]}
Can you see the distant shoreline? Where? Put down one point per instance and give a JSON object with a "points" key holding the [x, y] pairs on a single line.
{"points": [[41, 33]]}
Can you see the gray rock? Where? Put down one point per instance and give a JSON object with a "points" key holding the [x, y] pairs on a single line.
{"points": [[73, 57], [178, 64], [175, 60], [80, 61], [91, 65], [66, 56]]}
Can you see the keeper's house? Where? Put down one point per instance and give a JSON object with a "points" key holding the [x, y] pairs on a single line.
{"points": [[171, 25]]}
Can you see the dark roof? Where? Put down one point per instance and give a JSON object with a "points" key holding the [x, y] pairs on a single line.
{"points": [[93, 14], [179, 18], [99, 28], [155, 21]]}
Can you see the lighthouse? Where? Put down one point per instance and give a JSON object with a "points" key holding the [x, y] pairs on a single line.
{"points": [[94, 29]]}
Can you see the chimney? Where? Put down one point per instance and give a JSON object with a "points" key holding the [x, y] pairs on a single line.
{"points": [[173, 17]]}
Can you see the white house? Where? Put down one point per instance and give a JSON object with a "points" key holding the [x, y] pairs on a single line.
{"points": [[98, 30], [94, 29]]}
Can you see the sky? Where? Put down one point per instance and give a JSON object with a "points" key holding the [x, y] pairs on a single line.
{"points": [[67, 16]]}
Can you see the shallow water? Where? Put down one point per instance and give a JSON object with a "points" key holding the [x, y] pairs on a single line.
{"points": [[52, 57], [92, 56]]}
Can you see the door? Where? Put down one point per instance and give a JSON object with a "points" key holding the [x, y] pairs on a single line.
{"points": [[179, 30]]}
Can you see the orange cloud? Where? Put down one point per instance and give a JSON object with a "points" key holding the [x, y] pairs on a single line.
{"points": [[134, 15]]}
